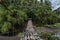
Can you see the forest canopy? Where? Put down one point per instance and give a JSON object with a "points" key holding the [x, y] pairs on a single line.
{"points": [[15, 13]]}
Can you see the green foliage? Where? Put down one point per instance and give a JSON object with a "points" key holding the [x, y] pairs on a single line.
{"points": [[57, 24], [44, 15], [5, 27], [20, 34], [12, 19], [48, 36], [16, 13]]}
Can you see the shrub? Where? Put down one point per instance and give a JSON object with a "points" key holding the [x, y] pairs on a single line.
{"points": [[48, 36]]}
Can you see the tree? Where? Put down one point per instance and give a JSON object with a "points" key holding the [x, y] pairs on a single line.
{"points": [[11, 17], [15, 13], [44, 15]]}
